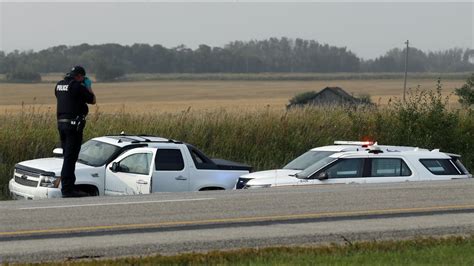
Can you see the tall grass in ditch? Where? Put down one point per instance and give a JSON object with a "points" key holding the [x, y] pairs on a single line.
{"points": [[264, 139]]}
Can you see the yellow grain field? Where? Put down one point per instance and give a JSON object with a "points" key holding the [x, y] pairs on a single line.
{"points": [[175, 96]]}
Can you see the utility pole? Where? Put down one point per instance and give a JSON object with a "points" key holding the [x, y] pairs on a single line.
{"points": [[406, 71]]}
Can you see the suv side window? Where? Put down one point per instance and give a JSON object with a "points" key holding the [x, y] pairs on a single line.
{"points": [[389, 167], [346, 168], [440, 166], [138, 163], [169, 160]]}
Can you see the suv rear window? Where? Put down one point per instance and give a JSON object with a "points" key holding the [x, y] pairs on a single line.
{"points": [[382, 167], [440, 166], [460, 166]]}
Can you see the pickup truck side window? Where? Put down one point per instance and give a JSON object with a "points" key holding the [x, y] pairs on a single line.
{"points": [[385, 167], [197, 158], [440, 166], [138, 163], [200, 160], [169, 160], [346, 168]]}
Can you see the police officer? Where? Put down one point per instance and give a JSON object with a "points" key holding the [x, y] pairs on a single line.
{"points": [[73, 93]]}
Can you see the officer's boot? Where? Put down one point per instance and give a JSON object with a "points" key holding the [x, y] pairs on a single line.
{"points": [[57, 182]]}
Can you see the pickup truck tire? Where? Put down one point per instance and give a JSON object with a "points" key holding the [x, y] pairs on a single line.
{"points": [[89, 189], [211, 188]]}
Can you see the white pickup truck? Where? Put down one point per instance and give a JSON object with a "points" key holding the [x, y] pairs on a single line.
{"points": [[124, 165]]}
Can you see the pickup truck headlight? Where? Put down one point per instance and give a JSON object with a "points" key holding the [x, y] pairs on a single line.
{"points": [[48, 181], [242, 182]]}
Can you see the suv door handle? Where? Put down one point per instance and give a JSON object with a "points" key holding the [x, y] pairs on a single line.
{"points": [[180, 178], [142, 182]]}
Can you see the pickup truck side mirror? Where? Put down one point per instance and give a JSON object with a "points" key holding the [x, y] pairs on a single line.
{"points": [[115, 167], [58, 152], [323, 176]]}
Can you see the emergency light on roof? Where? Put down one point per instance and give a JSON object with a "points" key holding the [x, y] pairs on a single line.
{"points": [[374, 149], [358, 143]]}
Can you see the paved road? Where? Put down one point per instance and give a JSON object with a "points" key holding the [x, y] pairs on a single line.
{"points": [[178, 222]]}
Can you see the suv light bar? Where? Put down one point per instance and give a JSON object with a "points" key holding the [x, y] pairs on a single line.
{"points": [[358, 143]]}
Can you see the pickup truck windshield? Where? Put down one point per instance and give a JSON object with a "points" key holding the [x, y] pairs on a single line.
{"points": [[307, 159], [96, 153]]}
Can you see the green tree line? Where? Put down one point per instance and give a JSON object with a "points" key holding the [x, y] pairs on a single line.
{"points": [[256, 56]]}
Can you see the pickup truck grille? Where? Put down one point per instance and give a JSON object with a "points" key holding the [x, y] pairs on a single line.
{"points": [[27, 177], [26, 182], [25, 172]]}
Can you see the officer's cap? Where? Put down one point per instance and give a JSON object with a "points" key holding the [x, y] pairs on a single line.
{"points": [[77, 70]]}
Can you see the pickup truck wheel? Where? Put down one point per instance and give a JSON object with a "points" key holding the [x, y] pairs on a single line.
{"points": [[211, 188], [89, 189]]}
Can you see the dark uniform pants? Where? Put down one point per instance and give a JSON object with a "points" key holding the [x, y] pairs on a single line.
{"points": [[71, 140]]}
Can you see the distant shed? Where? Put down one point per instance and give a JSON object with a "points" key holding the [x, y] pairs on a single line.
{"points": [[327, 96]]}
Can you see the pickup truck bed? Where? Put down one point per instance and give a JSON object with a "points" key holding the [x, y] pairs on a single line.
{"points": [[229, 165]]}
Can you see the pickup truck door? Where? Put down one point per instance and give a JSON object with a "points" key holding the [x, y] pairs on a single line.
{"points": [[171, 170], [130, 173]]}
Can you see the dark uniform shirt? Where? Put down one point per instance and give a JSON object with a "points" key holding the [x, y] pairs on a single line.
{"points": [[72, 99]]}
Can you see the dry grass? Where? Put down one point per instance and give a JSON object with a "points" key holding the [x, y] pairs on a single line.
{"points": [[420, 251], [172, 96]]}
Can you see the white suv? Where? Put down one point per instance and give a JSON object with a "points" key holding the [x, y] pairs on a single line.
{"points": [[374, 165], [312, 156]]}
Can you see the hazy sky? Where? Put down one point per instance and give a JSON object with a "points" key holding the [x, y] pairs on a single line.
{"points": [[368, 29]]}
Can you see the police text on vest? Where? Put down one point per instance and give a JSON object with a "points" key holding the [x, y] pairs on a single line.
{"points": [[62, 87]]}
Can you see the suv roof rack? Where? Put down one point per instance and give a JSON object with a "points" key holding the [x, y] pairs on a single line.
{"points": [[129, 138]]}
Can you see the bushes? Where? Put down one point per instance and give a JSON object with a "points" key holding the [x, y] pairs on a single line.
{"points": [[303, 98], [466, 92], [23, 75], [108, 73], [424, 119]]}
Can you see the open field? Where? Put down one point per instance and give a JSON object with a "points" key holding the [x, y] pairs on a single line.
{"points": [[176, 95]]}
